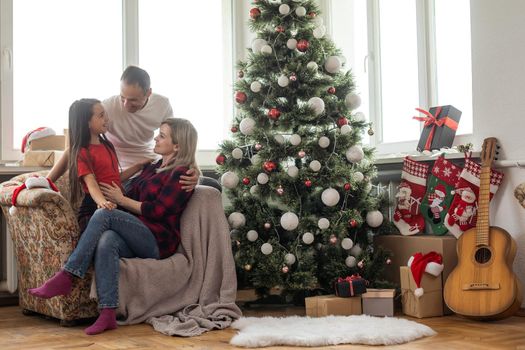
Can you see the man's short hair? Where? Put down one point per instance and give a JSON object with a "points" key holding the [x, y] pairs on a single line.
{"points": [[135, 75]]}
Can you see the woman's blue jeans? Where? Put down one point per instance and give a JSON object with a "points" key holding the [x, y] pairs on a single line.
{"points": [[109, 236]]}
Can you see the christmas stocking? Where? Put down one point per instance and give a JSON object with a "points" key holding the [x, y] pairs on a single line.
{"points": [[443, 178], [407, 215], [462, 214]]}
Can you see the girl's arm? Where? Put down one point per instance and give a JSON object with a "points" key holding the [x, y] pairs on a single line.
{"points": [[114, 193], [96, 193], [132, 170]]}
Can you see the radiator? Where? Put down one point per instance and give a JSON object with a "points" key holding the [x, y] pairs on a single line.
{"points": [[9, 280]]}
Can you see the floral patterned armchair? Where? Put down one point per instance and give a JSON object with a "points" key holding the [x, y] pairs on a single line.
{"points": [[44, 232]]}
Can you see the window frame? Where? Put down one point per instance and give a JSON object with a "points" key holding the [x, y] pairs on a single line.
{"points": [[130, 55]]}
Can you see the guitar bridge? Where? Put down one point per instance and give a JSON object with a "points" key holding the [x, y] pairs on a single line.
{"points": [[481, 286]]}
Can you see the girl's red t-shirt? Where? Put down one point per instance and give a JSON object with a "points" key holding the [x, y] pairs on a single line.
{"points": [[101, 161]]}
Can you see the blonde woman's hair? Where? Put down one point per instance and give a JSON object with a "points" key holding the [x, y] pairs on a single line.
{"points": [[185, 135]]}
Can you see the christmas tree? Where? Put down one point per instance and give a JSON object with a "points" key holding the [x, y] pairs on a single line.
{"points": [[302, 211]]}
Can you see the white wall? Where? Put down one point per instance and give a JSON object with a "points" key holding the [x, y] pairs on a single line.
{"points": [[498, 78]]}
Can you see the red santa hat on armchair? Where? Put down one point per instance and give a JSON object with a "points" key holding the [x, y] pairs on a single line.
{"points": [[431, 263], [35, 181]]}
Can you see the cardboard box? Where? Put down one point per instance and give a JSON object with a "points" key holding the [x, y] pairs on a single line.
{"points": [[430, 304], [325, 305], [41, 158], [443, 133], [403, 247], [49, 143], [378, 302]]}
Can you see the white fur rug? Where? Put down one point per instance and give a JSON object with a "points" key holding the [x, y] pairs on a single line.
{"points": [[331, 330]]}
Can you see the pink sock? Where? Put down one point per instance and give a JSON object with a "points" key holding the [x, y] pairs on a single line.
{"points": [[106, 320], [59, 284]]}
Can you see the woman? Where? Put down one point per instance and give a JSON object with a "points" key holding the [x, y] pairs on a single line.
{"points": [[148, 227]]}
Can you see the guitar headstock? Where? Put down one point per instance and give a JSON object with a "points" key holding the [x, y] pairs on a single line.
{"points": [[489, 151]]}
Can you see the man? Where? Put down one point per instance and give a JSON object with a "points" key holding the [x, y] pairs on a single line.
{"points": [[134, 115]]}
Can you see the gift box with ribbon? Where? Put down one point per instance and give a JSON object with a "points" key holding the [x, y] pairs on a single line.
{"points": [[440, 127], [350, 286]]}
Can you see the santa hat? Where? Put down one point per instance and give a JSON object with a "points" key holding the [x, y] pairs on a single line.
{"points": [[460, 191], [431, 263], [38, 133], [35, 181], [440, 190]]}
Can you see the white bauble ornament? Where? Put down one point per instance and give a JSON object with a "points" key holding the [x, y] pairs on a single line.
{"points": [[330, 197], [289, 259], [358, 176], [293, 171], [266, 249], [256, 159], [295, 139], [308, 238], [262, 178], [300, 11], [318, 20], [236, 220], [283, 81], [289, 221], [291, 44], [323, 223], [279, 139], [247, 126], [255, 86], [284, 9], [359, 117], [374, 218], [266, 49], [347, 243], [350, 261], [229, 179], [319, 32], [352, 101], [324, 142], [237, 153], [254, 189], [317, 104], [355, 154], [356, 250], [312, 66], [252, 235], [315, 165], [257, 44], [345, 129], [332, 64]]}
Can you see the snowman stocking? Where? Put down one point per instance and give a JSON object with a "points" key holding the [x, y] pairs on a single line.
{"points": [[443, 178], [462, 214], [407, 215]]}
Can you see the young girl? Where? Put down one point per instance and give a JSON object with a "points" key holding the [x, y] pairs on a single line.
{"points": [[93, 158], [149, 228]]}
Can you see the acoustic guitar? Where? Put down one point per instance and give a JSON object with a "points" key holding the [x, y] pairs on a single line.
{"points": [[483, 285]]}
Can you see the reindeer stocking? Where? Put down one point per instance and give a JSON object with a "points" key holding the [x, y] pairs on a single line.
{"points": [[462, 214], [407, 215]]}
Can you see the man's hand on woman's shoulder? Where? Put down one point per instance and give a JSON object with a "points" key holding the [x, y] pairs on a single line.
{"points": [[190, 180]]}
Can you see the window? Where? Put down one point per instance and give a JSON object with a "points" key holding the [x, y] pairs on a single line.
{"points": [[56, 51], [412, 57]]}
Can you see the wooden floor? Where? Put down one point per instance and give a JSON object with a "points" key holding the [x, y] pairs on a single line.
{"points": [[33, 332]]}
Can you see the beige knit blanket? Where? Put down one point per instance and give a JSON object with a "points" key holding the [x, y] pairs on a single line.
{"points": [[194, 290]]}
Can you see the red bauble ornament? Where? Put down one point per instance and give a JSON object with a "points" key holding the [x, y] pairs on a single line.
{"points": [[267, 225], [285, 269], [331, 90], [274, 114], [234, 129], [361, 264], [258, 146], [246, 181], [303, 45], [279, 29], [342, 121], [280, 191], [388, 261], [308, 183], [255, 12], [347, 187], [301, 154], [269, 166], [333, 239], [293, 77], [352, 223], [240, 97], [311, 14], [221, 158]]}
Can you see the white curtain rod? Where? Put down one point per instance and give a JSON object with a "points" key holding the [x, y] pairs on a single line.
{"points": [[509, 164]]}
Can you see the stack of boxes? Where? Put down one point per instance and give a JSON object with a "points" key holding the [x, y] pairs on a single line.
{"points": [[45, 151]]}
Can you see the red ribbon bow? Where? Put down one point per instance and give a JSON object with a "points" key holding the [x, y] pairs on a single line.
{"points": [[431, 120]]}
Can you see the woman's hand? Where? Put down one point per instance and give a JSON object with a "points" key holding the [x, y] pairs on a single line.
{"points": [[112, 192], [190, 180], [106, 205]]}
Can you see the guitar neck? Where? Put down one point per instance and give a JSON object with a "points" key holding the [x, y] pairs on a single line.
{"points": [[482, 226]]}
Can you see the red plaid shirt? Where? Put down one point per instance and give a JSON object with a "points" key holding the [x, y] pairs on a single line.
{"points": [[163, 201]]}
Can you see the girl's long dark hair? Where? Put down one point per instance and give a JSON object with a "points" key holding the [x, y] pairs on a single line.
{"points": [[80, 114]]}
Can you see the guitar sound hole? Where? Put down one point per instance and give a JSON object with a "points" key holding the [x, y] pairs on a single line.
{"points": [[483, 255]]}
